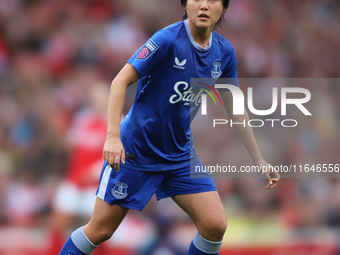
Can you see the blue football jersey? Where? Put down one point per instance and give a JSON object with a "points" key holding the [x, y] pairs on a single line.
{"points": [[156, 132]]}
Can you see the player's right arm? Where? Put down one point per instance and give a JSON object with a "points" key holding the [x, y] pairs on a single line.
{"points": [[113, 151], [142, 63]]}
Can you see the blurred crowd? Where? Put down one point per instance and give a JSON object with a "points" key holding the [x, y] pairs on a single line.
{"points": [[57, 59]]}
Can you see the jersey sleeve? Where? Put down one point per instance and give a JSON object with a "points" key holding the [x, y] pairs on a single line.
{"points": [[147, 58]]}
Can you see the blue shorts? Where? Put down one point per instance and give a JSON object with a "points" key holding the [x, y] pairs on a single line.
{"points": [[133, 189]]}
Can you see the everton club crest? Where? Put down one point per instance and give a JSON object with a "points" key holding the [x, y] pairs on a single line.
{"points": [[119, 191], [216, 71]]}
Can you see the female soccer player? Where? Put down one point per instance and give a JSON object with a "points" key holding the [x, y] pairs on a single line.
{"points": [[152, 150]]}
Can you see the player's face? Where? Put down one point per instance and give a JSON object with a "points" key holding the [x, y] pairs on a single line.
{"points": [[204, 13]]}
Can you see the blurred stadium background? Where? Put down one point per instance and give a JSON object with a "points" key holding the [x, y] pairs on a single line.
{"points": [[57, 57]]}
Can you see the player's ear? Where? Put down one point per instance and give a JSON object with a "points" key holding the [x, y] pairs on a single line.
{"points": [[185, 9], [184, 5]]}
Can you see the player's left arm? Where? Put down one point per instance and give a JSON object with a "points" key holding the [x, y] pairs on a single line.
{"points": [[247, 136]]}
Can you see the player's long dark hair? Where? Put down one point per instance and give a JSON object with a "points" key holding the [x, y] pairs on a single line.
{"points": [[218, 23]]}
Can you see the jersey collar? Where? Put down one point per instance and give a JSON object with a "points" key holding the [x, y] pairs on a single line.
{"points": [[198, 47]]}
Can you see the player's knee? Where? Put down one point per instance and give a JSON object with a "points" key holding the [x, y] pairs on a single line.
{"points": [[219, 229], [214, 230], [97, 234], [104, 234]]}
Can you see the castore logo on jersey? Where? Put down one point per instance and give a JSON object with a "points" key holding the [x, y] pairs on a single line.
{"points": [[179, 65]]}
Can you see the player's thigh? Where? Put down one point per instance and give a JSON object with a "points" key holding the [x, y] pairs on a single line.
{"points": [[105, 219], [206, 211]]}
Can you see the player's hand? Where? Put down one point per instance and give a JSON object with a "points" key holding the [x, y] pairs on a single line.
{"points": [[271, 176], [114, 152]]}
